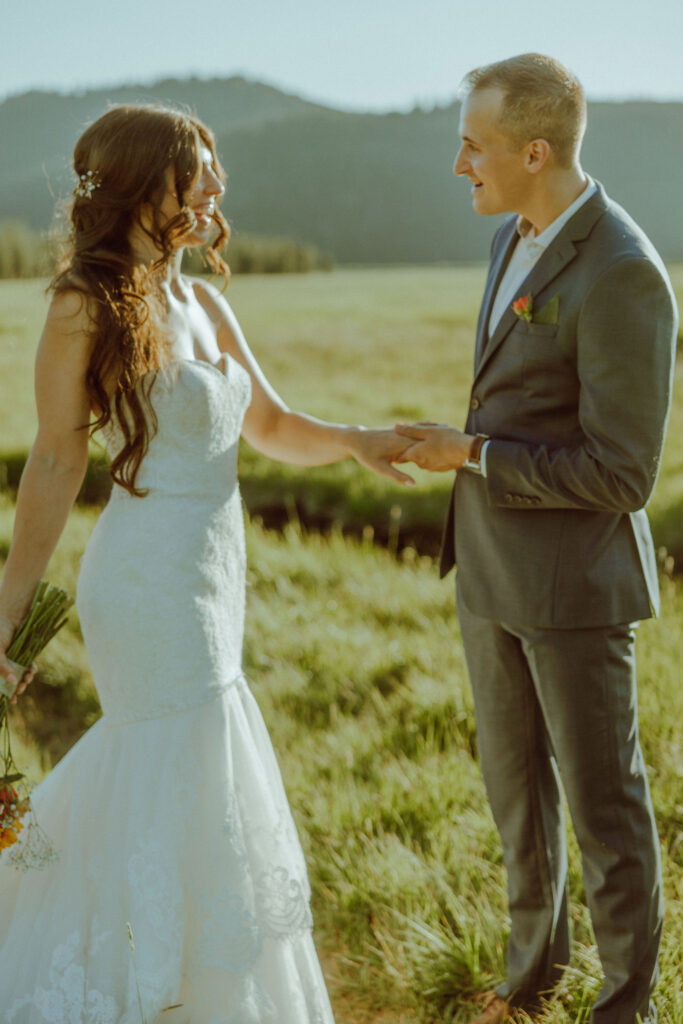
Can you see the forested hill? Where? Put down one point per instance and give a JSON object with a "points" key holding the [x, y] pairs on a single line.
{"points": [[365, 187]]}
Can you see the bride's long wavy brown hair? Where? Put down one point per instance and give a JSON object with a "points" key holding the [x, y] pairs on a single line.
{"points": [[134, 153]]}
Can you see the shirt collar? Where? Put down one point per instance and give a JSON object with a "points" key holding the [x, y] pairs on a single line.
{"points": [[543, 240]]}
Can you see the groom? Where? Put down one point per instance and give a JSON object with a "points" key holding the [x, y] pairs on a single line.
{"points": [[567, 414]]}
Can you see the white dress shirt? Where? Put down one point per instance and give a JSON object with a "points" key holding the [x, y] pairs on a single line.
{"points": [[527, 253]]}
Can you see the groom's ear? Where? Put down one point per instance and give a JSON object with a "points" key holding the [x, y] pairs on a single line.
{"points": [[538, 153]]}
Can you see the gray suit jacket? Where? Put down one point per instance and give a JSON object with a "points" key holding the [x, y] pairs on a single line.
{"points": [[556, 534]]}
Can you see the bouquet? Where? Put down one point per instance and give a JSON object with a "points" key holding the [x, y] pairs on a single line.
{"points": [[44, 619]]}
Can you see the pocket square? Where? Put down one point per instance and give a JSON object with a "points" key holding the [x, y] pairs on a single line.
{"points": [[548, 314]]}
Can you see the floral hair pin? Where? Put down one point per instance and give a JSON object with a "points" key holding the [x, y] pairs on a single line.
{"points": [[87, 183]]}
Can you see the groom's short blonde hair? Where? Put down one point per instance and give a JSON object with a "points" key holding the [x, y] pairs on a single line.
{"points": [[543, 99]]}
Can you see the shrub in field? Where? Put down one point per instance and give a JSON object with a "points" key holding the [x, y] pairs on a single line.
{"points": [[253, 254], [23, 252], [94, 490]]}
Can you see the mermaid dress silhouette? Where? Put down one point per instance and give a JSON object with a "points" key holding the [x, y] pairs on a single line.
{"points": [[169, 814]]}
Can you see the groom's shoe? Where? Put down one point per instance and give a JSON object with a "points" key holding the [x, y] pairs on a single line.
{"points": [[495, 1010]]}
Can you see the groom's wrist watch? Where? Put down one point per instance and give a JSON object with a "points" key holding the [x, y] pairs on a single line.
{"points": [[473, 460]]}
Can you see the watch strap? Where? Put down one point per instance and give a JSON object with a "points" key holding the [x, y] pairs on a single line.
{"points": [[473, 460]]}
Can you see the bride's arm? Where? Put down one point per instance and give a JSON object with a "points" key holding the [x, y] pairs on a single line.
{"points": [[281, 433], [57, 463]]}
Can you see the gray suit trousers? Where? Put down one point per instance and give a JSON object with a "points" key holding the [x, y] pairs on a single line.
{"points": [[558, 707]]}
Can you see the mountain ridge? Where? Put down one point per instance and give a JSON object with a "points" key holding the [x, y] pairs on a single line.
{"points": [[367, 187]]}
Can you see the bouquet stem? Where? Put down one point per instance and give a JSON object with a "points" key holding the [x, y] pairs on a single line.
{"points": [[7, 689], [44, 619]]}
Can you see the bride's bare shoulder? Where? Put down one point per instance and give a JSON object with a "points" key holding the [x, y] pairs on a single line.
{"points": [[211, 298], [72, 306], [69, 326]]}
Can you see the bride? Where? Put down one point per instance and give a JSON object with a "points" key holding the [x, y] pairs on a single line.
{"points": [[169, 815]]}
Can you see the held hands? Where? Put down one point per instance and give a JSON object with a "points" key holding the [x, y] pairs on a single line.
{"points": [[434, 446], [378, 449], [6, 671]]}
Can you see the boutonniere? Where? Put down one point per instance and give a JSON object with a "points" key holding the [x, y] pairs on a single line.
{"points": [[523, 307]]}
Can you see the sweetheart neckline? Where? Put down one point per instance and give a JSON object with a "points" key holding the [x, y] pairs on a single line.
{"points": [[180, 363], [198, 362], [191, 362]]}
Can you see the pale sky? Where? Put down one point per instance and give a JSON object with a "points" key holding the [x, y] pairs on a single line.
{"points": [[352, 54]]}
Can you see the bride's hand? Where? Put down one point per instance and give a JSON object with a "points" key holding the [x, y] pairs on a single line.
{"points": [[378, 449], [7, 628]]}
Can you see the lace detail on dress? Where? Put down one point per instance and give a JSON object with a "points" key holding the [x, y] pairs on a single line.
{"points": [[161, 589], [170, 811], [69, 1000], [156, 920], [170, 704], [231, 939], [157, 895], [282, 905]]}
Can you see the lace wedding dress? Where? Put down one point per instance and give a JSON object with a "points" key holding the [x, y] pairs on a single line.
{"points": [[169, 814]]}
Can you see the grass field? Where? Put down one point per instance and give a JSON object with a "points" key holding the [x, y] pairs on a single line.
{"points": [[355, 659], [339, 345], [369, 346]]}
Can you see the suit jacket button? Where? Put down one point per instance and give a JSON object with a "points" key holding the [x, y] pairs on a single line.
{"points": [[509, 498], [475, 403]]}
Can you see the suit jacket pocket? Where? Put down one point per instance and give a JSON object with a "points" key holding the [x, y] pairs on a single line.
{"points": [[545, 332], [548, 370]]}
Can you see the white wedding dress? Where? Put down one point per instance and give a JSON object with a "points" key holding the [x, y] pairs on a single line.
{"points": [[169, 814]]}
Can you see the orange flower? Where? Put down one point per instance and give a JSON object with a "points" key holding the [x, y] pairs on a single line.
{"points": [[523, 306], [8, 837], [12, 809]]}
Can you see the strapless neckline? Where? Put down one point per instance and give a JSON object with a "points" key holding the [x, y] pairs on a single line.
{"points": [[170, 813]]}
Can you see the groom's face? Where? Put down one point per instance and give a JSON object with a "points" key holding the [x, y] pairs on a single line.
{"points": [[500, 182]]}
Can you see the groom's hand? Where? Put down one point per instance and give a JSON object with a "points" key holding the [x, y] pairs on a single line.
{"points": [[435, 446], [378, 449]]}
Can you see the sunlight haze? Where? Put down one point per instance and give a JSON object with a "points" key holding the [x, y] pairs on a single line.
{"points": [[380, 55]]}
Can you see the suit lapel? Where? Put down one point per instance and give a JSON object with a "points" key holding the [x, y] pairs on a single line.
{"points": [[499, 262], [559, 253]]}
